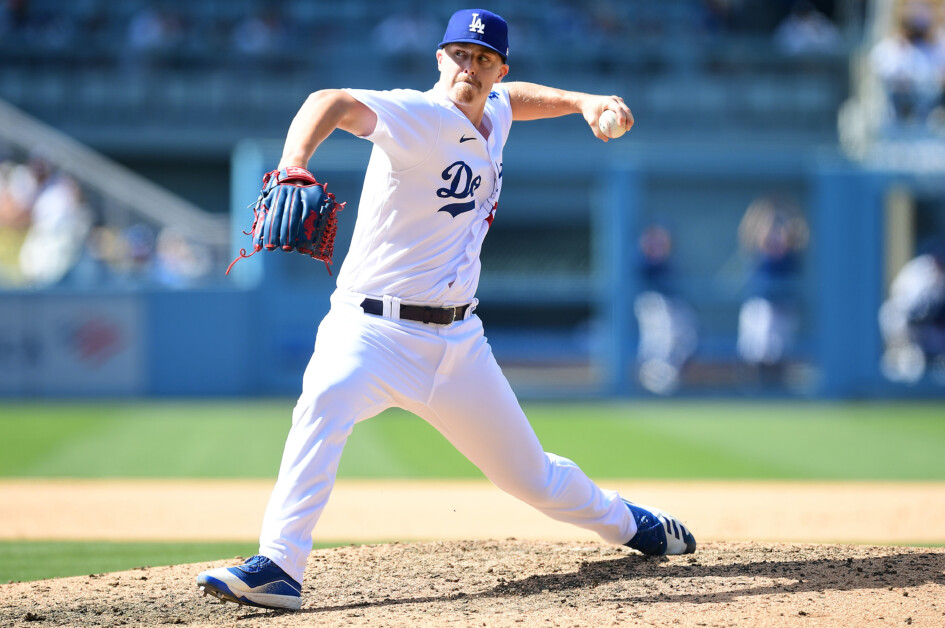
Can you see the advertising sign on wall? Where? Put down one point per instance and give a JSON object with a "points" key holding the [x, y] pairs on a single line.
{"points": [[61, 345]]}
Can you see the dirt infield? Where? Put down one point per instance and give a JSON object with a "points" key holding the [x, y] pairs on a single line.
{"points": [[528, 583], [742, 575], [365, 511]]}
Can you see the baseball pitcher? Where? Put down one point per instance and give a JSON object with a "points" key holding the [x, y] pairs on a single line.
{"points": [[402, 329]]}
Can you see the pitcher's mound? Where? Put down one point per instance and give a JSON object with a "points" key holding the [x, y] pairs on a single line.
{"points": [[526, 583]]}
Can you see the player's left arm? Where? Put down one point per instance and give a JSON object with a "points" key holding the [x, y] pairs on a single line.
{"points": [[531, 101]]}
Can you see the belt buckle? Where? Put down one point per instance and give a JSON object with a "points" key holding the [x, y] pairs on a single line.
{"points": [[452, 311]]}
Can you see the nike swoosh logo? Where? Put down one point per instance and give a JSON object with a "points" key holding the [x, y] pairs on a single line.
{"points": [[465, 139]]}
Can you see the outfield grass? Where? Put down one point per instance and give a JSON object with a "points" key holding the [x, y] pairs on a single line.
{"points": [[244, 439], [37, 560], [241, 439]]}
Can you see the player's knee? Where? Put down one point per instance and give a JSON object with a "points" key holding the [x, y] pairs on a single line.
{"points": [[543, 487]]}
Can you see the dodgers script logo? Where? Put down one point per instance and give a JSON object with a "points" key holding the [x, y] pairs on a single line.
{"points": [[461, 185]]}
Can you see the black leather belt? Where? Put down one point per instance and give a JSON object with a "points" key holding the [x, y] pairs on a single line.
{"points": [[419, 313]]}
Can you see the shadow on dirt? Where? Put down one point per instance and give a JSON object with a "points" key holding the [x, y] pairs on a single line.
{"points": [[641, 577]]}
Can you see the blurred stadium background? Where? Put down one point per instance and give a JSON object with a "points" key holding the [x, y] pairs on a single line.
{"points": [[740, 242]]}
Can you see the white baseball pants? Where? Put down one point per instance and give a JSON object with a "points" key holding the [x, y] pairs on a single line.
{"points": [[363, 364]]}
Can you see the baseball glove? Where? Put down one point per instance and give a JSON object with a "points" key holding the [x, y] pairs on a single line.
{"points": [[294, 212]]}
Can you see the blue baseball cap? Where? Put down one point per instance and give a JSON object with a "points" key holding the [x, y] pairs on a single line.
{"points": [[478, 26]]}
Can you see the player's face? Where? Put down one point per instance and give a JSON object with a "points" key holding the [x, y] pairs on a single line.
{"points": [[468, 71]]}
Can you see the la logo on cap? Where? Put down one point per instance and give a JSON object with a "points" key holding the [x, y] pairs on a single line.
{"points": [[477, 26], [470, 26]]}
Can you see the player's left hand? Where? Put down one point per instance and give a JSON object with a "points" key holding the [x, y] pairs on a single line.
{"points": [[593, 106]]}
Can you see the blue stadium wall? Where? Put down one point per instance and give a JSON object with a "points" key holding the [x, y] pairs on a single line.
{"points": [[253, 334]]}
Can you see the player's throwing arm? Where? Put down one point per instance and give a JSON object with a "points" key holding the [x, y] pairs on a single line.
{"points": [[608, 117]]}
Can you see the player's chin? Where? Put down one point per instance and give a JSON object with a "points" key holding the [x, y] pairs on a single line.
{"points": [[464, 92]]}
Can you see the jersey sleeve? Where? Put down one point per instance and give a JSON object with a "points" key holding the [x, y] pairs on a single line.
{"points": [[407, 124]]}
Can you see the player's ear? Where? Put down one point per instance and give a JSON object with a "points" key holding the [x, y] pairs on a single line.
{"points": [[439, 56], [503, 71]]}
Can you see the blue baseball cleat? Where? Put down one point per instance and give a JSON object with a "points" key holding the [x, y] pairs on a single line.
{"points": [[658, 533], [257, 582]]}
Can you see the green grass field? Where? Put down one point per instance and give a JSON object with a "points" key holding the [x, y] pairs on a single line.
{"points": [[60, 559], [244, 439], [620, 440]]}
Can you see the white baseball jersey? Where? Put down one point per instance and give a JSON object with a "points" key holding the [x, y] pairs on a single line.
{"points": [[429, 196], [429, 193]]}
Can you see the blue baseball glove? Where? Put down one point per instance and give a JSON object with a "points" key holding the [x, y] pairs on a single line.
{"points": [[294, 212]]}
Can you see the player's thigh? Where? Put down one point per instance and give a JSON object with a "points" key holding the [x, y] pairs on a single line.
{"points": [[475, 408], [360, 367]]}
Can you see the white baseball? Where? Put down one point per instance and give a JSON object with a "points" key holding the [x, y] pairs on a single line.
{"points": [[608, 125]]}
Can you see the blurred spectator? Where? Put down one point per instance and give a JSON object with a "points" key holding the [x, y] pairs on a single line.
{"points": [[24, 22], [717, 16], [568, 24], [52, 30], [772, 234], [259, 35], [407, 32], [607, 20], [912, 319], [806, 31], [60, 224], [400, 36], [668, 335], [55, 232], [19, 186], [179, 264], [152, 33], [720, 17], [91, 269], [106, 258], [147, 30], [47, 238], [910, 65], [139, 251], [134, 257]]}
